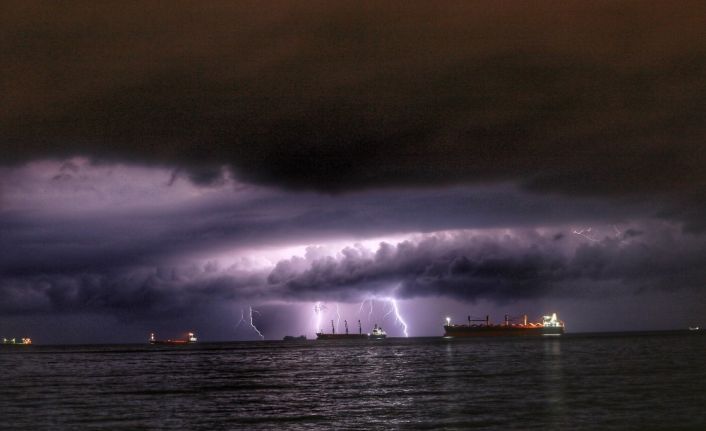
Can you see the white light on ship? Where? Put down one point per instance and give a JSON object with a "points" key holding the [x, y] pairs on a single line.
{"points": [[448, 321]]}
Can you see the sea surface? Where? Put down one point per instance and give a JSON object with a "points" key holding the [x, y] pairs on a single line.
{"points": [[575, 382]]}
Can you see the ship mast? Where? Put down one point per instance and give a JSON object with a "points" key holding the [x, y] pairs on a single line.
{"points": [[486, 320]]}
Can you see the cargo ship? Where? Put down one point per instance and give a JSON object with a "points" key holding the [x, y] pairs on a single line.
{"points": [[24, 341], [333, 336], [550, 326], [190, 339]]}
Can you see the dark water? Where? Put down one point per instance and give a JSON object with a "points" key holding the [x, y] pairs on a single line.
{"points": [[631, 381]]}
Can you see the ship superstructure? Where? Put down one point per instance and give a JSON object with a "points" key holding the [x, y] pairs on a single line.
{"points": [[549, 326], [21, 341], [378, 333]]}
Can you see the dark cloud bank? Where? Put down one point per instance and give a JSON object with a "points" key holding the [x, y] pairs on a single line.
{"points": [[503, 268], [595, 110], [598, 98]]}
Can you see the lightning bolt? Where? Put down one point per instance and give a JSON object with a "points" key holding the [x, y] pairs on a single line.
{"points": [[370, 312], [388, 312], [398, 316], [253, 325], [585, 233], [360, 309], [338, 319], [242, 319], [317, 316]]}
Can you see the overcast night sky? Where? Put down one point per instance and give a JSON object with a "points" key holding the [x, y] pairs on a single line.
{"points": [[165, 168]]}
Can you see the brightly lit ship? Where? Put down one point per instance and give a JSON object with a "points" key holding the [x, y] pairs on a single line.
{"points": [[333, 336], [378, 333], [22, 341], [550, 325], [190, 339]]}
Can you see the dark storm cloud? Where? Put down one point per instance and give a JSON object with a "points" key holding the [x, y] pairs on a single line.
{"points": [[136, 242], [142, 293], [578, 97], [501, 267], [111, 218]]}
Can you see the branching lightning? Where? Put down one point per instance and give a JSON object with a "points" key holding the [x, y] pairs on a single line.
{"points": [[253, 324], [338, 318], [586, 233], [242, 319], [398, 316], [388, 312], [370, 312]]}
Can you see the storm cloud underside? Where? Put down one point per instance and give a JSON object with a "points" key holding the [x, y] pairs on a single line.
{"points": [[174, 163]]}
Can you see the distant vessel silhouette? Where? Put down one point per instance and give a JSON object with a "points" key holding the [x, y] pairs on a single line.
{"points": [[190, 339]]}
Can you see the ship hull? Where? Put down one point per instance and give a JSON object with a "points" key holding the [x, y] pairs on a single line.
{"points": [[501, 331], [321, 336], [171, 342], [13, 342]]}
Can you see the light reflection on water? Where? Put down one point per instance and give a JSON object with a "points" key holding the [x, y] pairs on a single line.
{"points": [[554, 381], [590, 382]]}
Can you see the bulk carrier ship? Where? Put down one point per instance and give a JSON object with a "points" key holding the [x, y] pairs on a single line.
{"points": [[377, 334], [550, 325], [333, 336]]}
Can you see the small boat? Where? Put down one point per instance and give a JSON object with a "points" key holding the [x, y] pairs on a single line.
{"points": [[190, 339], [378, 333]]}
